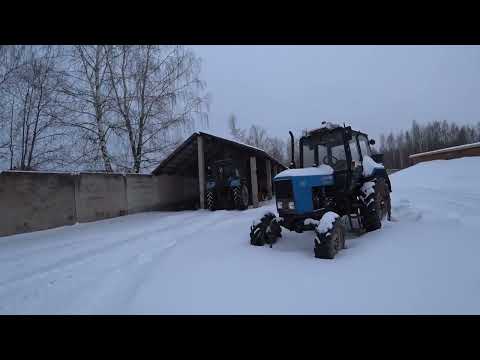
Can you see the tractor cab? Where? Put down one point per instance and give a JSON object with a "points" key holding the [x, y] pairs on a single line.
{"points": [[341, 148], [222, 172], [330, 171]]}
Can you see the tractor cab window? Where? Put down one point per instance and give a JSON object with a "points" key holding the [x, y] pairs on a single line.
{"points": [[308, 155], [322, 153], [326, 149], [364, 147], [338, 158], [354, 150]]}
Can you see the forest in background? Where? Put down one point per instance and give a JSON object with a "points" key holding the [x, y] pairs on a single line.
{"points": [[421, 138]]}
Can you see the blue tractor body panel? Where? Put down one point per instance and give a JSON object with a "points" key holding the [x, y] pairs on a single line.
{"points": [[232, 182], [302, 189]]}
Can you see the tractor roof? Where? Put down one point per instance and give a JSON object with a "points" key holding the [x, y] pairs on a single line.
{"points": [[328, 126]]}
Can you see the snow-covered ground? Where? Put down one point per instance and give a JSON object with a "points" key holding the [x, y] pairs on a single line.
{"points": [[198, 262]]}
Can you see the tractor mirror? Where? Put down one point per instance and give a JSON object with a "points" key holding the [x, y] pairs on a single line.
{"points": [[372, 142]]}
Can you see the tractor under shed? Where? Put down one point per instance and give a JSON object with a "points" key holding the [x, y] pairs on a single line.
{"points": [[191, 158]]}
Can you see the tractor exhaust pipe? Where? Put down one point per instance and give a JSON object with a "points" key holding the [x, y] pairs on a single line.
{"points": [[292, 142]]}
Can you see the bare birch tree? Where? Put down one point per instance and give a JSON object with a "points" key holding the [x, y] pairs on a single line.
{"points": [[34, 139], [10, 61], [156, 92], [89, 91]]}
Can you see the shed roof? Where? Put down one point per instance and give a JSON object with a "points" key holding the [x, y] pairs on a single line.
{"points": [[183, 160], [444, 150]]}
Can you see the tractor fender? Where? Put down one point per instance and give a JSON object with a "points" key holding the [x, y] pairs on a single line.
{"points": [[377, 173]]}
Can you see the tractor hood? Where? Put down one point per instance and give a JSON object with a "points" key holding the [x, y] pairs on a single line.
{"points": [[297, 184], [310, 171]]}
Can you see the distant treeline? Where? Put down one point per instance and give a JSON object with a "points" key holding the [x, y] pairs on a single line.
{"points": [[420, 138]]}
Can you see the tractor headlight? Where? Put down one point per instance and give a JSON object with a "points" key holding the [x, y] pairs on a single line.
{"points": [[279, 205], [291, 205]]}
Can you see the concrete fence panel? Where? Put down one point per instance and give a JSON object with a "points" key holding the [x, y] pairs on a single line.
{"points": [[32, 201], [142, 193], [100, 196]]}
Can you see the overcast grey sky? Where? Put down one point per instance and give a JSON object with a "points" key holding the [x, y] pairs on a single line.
{"points": [[373, 88]]}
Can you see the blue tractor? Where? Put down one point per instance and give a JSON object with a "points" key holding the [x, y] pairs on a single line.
{"points": [[339, 182], [227, 186]]}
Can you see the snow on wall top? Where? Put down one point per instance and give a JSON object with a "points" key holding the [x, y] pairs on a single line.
{"points": [[439, 151], [369, 165], [310, 171]]}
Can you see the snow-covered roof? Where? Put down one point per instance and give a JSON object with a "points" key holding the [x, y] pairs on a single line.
{"points": [[310, 171], [231, 139], [184, 153], [453, 148]]}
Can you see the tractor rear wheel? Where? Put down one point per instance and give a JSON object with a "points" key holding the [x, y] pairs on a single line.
{"points": [[376, 204], [210, 200], [327, 245], [240, 197]]}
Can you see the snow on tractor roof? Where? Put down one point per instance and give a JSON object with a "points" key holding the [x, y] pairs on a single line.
{"points": [[326, 125], [310, 171]]}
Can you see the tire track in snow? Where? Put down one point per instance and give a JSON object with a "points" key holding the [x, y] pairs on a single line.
{"points": [[78, 261], [89, 255], [127, 289], [82, 241]]}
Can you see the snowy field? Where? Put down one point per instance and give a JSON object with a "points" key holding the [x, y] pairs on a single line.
{"points": [[426, 261]]}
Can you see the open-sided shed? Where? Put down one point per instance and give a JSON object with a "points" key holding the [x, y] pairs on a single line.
{"points": [[190, 160]]}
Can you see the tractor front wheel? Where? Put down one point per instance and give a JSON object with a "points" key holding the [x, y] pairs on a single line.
{"points": [[265, 231], [329, 243]]}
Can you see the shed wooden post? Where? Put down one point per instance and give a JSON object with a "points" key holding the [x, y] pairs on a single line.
{"points": [[269, 178], [201, 171], [253, 172]]}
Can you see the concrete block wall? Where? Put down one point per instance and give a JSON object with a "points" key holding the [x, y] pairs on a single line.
{"points": [[35, 201], [31, 201], [142, 193], [100, 196]]}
